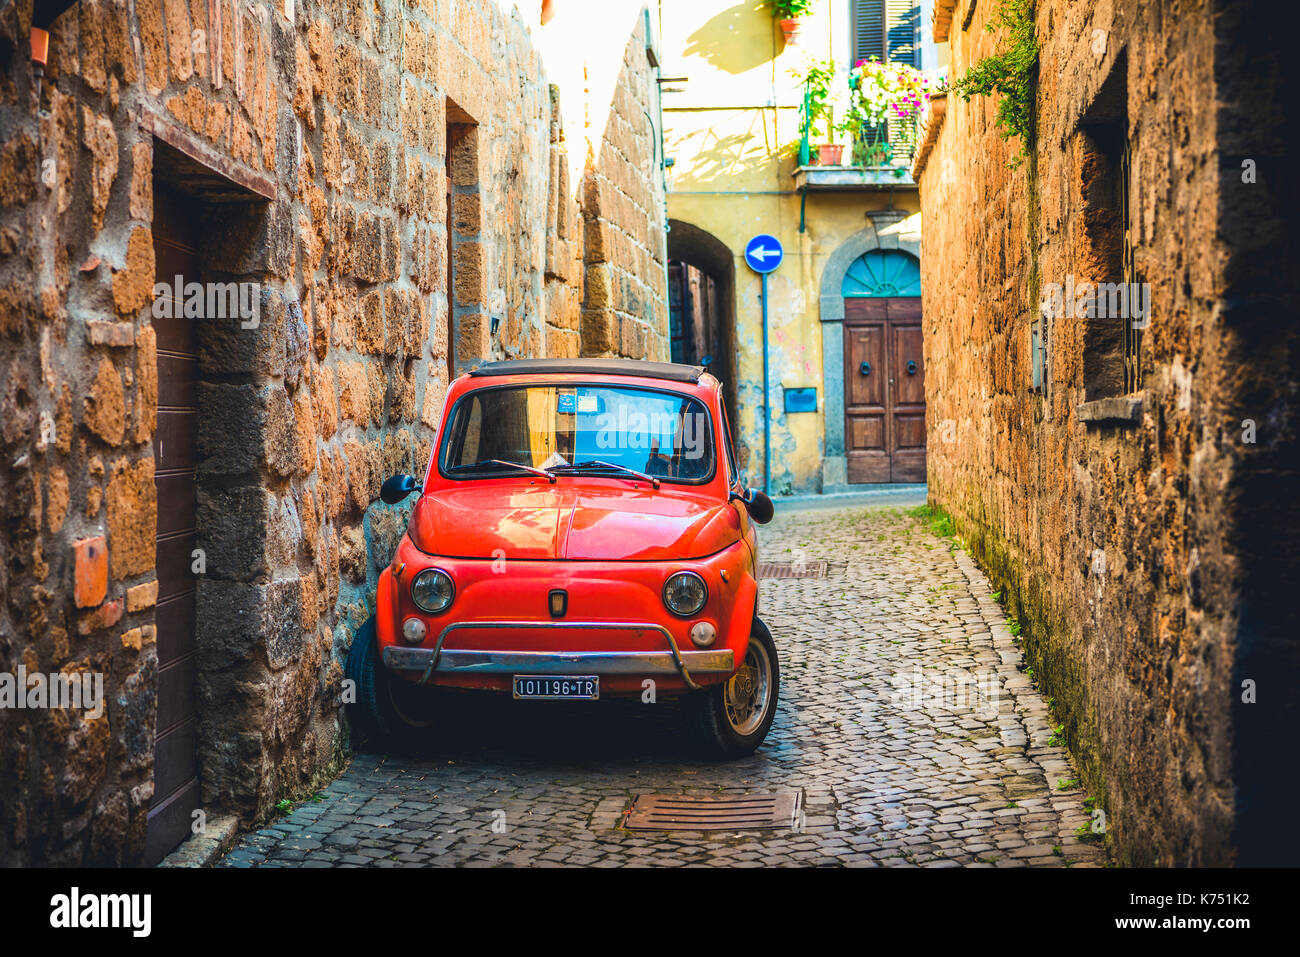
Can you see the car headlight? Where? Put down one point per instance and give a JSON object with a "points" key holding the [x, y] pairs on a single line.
{"points": [[685, 593], [432, 591]]}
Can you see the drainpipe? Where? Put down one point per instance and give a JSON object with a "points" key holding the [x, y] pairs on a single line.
{"points": [[767, 402]]}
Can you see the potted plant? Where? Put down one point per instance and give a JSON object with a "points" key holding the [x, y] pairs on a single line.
{"points": [[830, 154], [787, 14], [882, 93], [817, 121]]}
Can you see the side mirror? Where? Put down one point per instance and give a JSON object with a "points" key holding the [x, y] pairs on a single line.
{"points": [[758, 505], [397, 488]]}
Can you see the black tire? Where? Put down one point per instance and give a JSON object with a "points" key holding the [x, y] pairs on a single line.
{"points": [[712, 714], [387, 710]]}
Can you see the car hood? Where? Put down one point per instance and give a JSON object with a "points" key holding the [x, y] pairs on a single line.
{"points": [[572, 521]]}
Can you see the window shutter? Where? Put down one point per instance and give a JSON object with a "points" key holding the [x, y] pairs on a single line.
{"points": [[901, 20], [885, 26], [868, 29]]}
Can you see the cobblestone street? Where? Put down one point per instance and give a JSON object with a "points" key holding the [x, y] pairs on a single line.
{"points": [[905, 721]]}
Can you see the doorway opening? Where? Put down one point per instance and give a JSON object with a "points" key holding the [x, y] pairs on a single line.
{"points": [[205, 321], [702, 306], [176, 771]]}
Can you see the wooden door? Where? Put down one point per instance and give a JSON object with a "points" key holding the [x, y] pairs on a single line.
{"points": [[176, 782], [866, 398], [884, 390]]}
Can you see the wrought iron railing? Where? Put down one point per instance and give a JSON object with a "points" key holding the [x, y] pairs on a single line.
{"points": [[893, 143]]}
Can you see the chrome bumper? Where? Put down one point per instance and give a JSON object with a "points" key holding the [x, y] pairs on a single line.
{"points": [[560, 662], [463, 661]]}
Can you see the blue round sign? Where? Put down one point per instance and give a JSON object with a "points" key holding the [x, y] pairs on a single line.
{"points": [[764, 253]]}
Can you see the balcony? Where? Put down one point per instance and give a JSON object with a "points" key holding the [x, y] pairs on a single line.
{"points": [[880, 158], [814, 179]]}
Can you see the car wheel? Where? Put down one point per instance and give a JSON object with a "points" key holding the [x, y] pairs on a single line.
{"points": [[732, 719], [386, 710]]}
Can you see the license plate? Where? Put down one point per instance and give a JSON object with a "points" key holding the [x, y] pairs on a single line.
{"points": [[585, 687]]}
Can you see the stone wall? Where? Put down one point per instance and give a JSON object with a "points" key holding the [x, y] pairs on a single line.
{"points": [[625, 306], [316, 150], [1114, 517]]}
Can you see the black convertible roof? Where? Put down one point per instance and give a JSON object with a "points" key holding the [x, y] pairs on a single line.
{"points": [[675, 371]]}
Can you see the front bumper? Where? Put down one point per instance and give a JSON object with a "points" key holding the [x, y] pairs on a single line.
{"points": [[670, 661], [616, 622]]}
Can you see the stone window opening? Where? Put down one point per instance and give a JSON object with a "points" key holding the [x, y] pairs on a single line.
{"points": [[1111, 343], [467, 326], [1038, 357], [1132, 330]]}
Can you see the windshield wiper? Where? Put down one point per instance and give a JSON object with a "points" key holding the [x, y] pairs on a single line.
{"points": [[549, 476], [597, 463]]}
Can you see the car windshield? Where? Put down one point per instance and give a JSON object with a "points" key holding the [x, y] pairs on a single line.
{"points": [[579, 429]]}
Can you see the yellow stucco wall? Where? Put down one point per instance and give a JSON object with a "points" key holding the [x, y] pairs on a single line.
{"points": [[733, 131]]}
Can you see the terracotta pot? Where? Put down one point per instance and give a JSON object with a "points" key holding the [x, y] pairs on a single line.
{"points": [[791, 30], [830, 154]]}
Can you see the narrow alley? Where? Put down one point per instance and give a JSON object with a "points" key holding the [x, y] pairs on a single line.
{"points": [[519, 433], [907, 726]]}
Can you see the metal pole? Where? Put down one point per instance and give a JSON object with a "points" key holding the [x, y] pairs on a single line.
{"points": [[767, 411]]}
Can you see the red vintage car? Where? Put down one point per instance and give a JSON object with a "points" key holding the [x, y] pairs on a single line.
{"points": [[581, 532]]}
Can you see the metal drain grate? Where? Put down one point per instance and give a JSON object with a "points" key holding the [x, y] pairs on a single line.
{"points": [[792, 570], [712, 812]]}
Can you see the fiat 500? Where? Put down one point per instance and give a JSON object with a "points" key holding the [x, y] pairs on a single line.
{"points": [[581, 533]]}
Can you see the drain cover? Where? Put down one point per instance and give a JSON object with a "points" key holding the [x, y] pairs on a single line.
{"points": [[792, 570], [712, 812]]}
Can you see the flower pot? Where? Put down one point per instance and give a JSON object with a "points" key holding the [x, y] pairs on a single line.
{"points": [[830, 154], [791, 30]]}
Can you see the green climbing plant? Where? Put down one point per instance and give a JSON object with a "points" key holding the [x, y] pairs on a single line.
{"points": [[1011, 74]]}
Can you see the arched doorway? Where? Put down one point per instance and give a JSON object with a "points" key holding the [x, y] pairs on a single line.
{"points": [[873, 361], [884, 369], [702, 303]]}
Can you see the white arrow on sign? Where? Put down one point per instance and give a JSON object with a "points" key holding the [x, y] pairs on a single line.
{"points": [[762, 252]]}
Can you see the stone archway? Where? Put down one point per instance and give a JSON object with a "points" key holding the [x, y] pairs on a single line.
{"points": [[689, 245], [886, 229]]}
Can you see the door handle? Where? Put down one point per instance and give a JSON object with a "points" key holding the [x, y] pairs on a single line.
{"points": [[865, 368], [911, 367]]}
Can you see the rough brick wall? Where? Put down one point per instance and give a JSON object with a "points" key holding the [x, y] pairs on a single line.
{"points": [[332, 131], [625, 304], [1119, 545]]}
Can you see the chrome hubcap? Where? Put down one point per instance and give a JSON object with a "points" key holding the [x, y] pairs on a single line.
{"points": [[747, 694]]}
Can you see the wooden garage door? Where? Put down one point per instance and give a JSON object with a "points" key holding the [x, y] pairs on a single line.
{"points": [[884, 390], [176, 783]]}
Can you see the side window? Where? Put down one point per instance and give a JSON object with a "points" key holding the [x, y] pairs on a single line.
{"points": [[733, 473]]}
